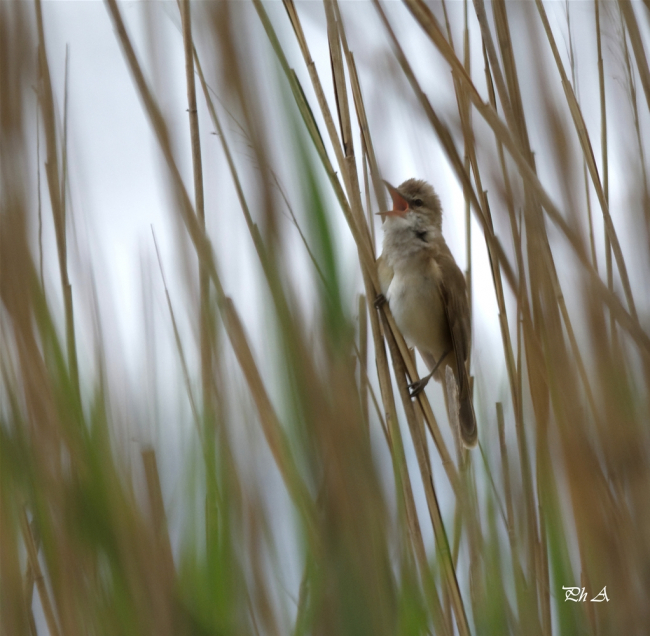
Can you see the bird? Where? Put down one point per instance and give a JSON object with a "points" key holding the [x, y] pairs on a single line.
{"points": [[427, 295]]}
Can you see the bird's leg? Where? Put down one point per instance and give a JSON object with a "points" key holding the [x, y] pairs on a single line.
{"points": [[418, 387], [380, 300]]}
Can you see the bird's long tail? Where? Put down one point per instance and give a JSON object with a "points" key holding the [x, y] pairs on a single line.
{"points": [[459, 406]]}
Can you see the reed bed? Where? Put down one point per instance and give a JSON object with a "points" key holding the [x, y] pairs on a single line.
{"points": [[309, 494]]}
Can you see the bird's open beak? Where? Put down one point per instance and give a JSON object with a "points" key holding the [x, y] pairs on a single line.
{"points": [[400, 204]]}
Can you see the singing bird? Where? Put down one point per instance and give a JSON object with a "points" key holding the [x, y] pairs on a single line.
{"points": [[427, 294]]}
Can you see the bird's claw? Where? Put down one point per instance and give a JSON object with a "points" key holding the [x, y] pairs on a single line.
{"points": [[380, 300], [417, 387]]}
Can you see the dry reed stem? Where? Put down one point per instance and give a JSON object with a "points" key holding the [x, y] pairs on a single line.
{"points": [[199, 204], [440, 533], [495, 66], [637, 46], [366, 187], [54, 181], [510, 515], [362, 119], [28, 589], [631, 86], [156, 503], [28, 593], [468, 148], [38, 195], [603, 124], [32, 553], [363, 358], [336, 35], [177, 339]]}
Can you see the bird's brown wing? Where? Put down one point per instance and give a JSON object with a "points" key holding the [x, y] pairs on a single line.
{"points": [[385, 272], [453, 291]]}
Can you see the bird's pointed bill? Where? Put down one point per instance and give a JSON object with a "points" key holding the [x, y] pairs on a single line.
{"points": [[400, 204]]}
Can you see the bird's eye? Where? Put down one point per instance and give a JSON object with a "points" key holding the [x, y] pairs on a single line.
{"points": [[417, 203]]}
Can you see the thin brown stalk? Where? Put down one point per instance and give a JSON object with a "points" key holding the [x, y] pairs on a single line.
{"points": [[39, 198], [534, 550], [366, 187], [637, 46], [544, 583], [199, 203], [495, 492], [336, 36], [631, 86], [603, 129], [605, 162], [177, 339], [56, 194], [157, 506], [440, 533], [32, 555], [375, 402], [554, 279], [507, 485], [30, 580], [468, 207], [585, 172], [495, 66], [252, 227], [590, 220], [380, 192], [538, 247], [518, 125], [363, 357]]}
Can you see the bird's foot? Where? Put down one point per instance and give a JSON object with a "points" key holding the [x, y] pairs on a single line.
{"points": [[380, 300], [417, 387]]}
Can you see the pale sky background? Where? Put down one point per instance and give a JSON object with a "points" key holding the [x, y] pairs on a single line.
{"points": [[118, 189]]}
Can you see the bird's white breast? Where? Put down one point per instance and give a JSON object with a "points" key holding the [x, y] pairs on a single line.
{"points": [[416, 304]]}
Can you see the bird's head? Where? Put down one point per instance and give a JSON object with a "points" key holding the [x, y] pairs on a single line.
{"points": [[415, 204]]}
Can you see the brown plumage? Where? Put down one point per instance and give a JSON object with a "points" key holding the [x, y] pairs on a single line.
{"points": [[427, 295]]}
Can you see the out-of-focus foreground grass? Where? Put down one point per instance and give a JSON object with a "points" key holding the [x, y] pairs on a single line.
{"points": [[567, 503]]}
